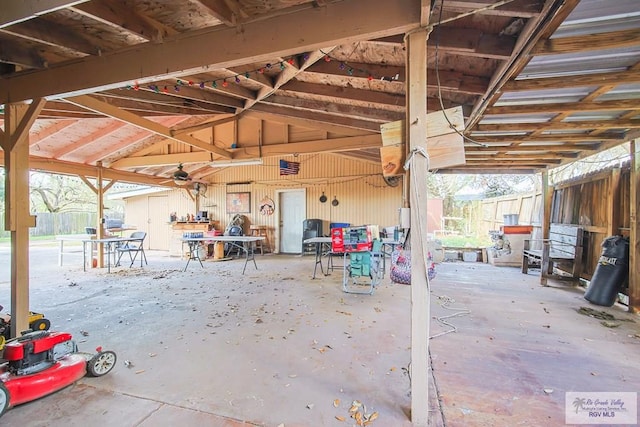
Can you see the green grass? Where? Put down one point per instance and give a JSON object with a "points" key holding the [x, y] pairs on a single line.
{"points": [[465, 241]]}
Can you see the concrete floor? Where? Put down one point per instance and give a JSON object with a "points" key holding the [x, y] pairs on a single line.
{"points": [[277, 348]]}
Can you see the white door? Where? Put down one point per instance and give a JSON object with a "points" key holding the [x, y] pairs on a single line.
{"points": [[292, 213], [158, 212]]}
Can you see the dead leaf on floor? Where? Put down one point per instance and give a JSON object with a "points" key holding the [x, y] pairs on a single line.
{"points": [[610, 324], [340, 418], [336, 403], [84, 333], [140, 371], [546, 326], [377, 309], [343, 312]]}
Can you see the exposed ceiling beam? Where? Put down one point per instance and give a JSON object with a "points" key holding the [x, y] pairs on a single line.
{"points": [[18, 54], [553, 13], [116, 14], [534, 148], [568, 81], [565, 107], [90, 138], [317, 116], [352, 94], [561, 138], [13, 12], [350, 21], [250, 152], [378, 114], [348, 93], [488, 171], [205, 125], [465, 42], [588, 42], [520, 8], [107, 149], [48, 131], [221, 10], [45, 32], [69, 168], [183, 90], [287, 75], [94, 104], [306, 123], [449, 80], [573, 125], [144, 108]]}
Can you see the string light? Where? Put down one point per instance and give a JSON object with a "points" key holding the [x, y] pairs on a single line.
{"points": [[224, 82]]}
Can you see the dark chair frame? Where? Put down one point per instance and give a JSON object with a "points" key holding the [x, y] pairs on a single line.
{"points": [[234, 230]]}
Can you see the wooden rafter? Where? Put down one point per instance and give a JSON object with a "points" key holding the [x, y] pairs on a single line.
{"points": [[589, 42], [13, 12], [249, 152], [287, 75], [109, 110], [187, 55]]}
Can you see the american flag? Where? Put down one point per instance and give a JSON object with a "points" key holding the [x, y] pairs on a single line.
{"points": [[289, 168]]}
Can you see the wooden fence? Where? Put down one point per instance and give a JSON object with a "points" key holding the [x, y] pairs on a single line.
{"points": [[50, 224], [600, 203]]}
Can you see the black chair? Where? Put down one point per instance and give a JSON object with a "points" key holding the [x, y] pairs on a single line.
{"points": [[133, 247], [234, 230]]}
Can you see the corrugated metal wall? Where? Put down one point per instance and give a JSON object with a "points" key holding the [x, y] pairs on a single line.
{"points": [[362, 194]]}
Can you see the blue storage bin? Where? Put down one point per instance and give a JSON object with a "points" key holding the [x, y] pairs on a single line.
{"points": [[339, 225]]}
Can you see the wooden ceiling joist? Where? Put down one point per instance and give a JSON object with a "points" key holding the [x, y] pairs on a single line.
{"points": [[187, 55], [589, 42], [571, 81], [93, 104], [13, 12], [251, 152]]}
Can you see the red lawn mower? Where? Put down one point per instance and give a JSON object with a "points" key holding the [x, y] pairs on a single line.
{"points": [[39, 363]]}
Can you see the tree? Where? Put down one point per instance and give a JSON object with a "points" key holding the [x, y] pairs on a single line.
{"points": [[59, 193]]}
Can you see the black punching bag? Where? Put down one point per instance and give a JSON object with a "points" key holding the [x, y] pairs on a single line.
{"points": [[611, 272]]}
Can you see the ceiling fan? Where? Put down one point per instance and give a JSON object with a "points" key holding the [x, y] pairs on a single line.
{"points": [[181, 177]]}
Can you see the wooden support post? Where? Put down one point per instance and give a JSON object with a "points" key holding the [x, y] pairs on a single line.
{"points": [[613, 203], [416, 120], [547, 198], [634, 235], [100, 228], [15, 144]]}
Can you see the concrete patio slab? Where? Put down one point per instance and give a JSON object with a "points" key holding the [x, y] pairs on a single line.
{"points": [[274, 347]]}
